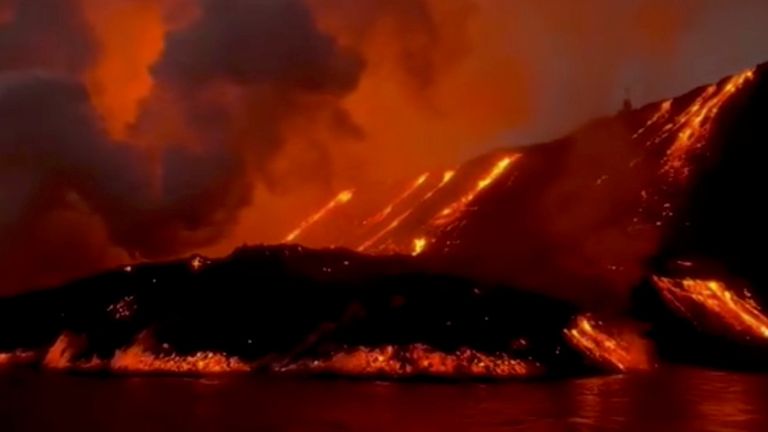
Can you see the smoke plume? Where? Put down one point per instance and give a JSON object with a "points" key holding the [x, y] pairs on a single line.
{"points": [[143, 129]]}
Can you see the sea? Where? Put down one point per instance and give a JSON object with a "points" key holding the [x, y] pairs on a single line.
{"points": [[668, 399]]}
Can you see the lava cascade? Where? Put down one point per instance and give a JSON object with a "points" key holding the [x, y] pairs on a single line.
{"points": [[712, 303], [611, 348]]}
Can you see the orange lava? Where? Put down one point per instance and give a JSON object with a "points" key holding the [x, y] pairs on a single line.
{"points": [[712, 301], [457, 208], [402, 197], [695, 123], [419, 244], [416, 360], [447, 176], [341, 199], [17, 358], [136, 359], [197, 263], [661, 114], [61, 354], [613, 349]]}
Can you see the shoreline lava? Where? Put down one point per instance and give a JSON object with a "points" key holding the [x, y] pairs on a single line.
{"points": [[417, 360]]}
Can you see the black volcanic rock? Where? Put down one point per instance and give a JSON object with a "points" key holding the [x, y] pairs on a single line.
{"points": [[287, 303]]}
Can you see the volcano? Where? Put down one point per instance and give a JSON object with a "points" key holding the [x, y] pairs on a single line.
{"points": [[526, 261]]}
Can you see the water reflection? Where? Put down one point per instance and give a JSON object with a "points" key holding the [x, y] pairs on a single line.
{"points": [[671, 399]]}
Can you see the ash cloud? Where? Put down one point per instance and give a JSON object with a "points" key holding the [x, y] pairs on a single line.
{"points": [[45, 34], [224, 86]]}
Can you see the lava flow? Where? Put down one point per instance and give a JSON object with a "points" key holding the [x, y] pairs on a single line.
{"points": [[136, 359], [447, 176], [340, 199], [380, 216], [611, 348], [457, 208], [661, 114], [712, 302], [695, 123], [419, 244], [416, 360], [16, 358]]}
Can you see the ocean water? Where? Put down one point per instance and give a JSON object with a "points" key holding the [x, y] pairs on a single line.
{"points": [[669, 399]]}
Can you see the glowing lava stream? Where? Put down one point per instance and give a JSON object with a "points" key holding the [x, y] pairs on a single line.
{"points": [[454, 210], [695, 123], [342, 198], [686, 296], [447, 176], [388, 209], [618, 353]]}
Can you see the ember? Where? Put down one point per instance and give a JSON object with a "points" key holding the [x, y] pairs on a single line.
{"points": [[714, 304]]}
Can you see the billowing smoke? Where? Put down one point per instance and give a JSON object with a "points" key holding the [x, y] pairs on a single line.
{"points": [[135, 129], [223, 88]]}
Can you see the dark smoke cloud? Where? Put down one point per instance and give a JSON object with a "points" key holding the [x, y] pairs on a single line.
{"points": [[253, 42], [227, 82], [44, 34]]}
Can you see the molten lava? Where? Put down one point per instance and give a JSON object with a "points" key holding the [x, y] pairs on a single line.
{"points": [[416, 360], [458, 207], [61, 354], [661, 114], [402, 197], [17, 358], [447, 176], [136, 359], [614, 349], [419, 244], [713, 303], [341, 199], [695, 123]]}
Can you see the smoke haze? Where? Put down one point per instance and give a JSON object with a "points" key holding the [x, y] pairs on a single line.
{"points": [[146, 129]]}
